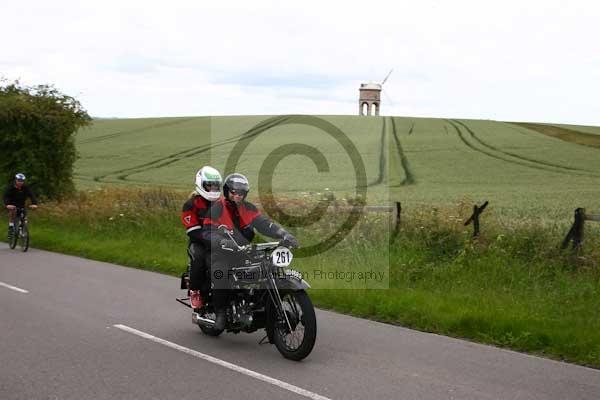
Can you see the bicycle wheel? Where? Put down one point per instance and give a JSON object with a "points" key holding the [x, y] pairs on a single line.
{"points": [[24, 238], [15, 235]]}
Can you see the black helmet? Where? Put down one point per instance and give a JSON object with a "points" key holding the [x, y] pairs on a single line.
{"points": [[236, 183]]}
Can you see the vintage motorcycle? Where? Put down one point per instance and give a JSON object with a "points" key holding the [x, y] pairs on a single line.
{"points": [[266, 294]]}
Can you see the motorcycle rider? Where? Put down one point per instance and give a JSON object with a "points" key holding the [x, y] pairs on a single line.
{"points": [[208, 191], [14, 197], [240, 218]]}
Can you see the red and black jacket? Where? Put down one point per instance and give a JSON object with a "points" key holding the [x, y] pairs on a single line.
{"points": [[240, 219], [193, 214]]}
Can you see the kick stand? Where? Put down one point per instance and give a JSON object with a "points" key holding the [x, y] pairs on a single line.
{"points": [[263, 341]]}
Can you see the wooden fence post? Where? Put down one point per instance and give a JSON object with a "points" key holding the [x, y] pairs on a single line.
{"points": [[398, 219], [576, 232], [475, 218]]}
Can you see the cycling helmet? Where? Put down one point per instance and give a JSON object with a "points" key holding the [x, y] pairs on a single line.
{"points": [[20, 177], [208, 183], [237, 183]]}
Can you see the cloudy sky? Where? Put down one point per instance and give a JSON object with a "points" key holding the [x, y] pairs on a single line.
{"points": [[507, 60]]}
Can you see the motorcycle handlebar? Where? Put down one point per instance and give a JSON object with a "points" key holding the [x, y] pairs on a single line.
{"points": [[254, 247], [260, 246]]}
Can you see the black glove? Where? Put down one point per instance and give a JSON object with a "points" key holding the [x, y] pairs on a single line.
{"points": [[289, 240], [228, 245]]}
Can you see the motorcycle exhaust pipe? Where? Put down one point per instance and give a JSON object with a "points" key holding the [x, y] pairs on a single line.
{"points": [[197, 319]]}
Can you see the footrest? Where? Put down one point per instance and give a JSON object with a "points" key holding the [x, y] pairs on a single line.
{"points": [[185, 301]]}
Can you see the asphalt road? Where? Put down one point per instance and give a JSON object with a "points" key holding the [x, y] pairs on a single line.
{"points": [[91, 330]]}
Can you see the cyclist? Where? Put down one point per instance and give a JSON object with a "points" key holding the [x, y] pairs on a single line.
{"points": [[15, 196]]}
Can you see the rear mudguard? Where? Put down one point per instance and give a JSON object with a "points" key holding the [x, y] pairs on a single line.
{"points": [[185, 281]]}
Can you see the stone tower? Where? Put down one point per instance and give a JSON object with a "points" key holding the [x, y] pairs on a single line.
{"points": [[369, 99]]}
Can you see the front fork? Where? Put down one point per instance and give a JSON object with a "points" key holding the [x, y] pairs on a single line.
{"points": [[278, 303]]}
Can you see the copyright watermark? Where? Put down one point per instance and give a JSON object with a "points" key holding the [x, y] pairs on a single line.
{"points": [[341, 246], [272, 160]]}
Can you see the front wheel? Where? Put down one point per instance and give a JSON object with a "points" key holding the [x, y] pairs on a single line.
{"points": [[24, 238], [299, 342]]}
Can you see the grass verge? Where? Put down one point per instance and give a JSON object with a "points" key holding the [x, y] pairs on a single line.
{"points": [[511, 288]]}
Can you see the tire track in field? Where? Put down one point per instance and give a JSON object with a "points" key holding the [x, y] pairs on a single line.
{"points": [[382, 157], [489, 146], [409, 178], [258, 129], [518, 162], [487, 153], [175, 157], [564, 134], [136, 130], [83, 177]]}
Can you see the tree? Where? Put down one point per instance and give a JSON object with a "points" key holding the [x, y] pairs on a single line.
{"points": [[37, 129]]}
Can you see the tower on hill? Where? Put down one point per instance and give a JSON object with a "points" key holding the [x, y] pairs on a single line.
{"points": [[369, 99]]}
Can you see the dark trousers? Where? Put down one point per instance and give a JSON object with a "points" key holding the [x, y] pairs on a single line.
{"points": [[199, 272], [220, 265]]}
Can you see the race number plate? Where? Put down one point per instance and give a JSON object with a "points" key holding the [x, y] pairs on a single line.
{"points": [[281, 257]]}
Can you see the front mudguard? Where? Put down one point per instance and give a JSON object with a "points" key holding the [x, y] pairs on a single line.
{"points": [[291, 284]]}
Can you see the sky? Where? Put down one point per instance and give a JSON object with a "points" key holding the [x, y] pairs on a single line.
{"points": [[504, 60]]}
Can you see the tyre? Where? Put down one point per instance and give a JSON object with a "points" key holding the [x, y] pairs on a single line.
{"points": [[298, 343], [210, 331], [24, 238], [15, 236]]}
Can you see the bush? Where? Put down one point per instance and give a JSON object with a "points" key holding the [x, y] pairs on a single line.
{"points": [[37, 127]]}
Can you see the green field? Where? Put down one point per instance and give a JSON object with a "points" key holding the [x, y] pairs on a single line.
{"points": [[522, 171], [512, 287]]}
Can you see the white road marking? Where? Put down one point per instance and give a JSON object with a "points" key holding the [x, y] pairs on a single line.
{"points": [[233, 367], [16, 289]]}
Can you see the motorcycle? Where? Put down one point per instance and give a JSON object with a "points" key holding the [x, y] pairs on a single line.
{"points": [[265, 294]]}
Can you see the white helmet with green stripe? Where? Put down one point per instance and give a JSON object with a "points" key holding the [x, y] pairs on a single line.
{"points": [[208, 183]]}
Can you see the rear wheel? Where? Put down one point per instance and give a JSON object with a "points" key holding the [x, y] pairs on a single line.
{"points": [[15, 235], [299, 342], [208, 330]]}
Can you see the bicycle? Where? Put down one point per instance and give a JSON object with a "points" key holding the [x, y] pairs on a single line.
{"points": [[20, 233]]}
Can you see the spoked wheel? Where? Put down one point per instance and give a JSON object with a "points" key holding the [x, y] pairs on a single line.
{"points": [[24, 238], [15, 235], [207, 330], [299, 342]]}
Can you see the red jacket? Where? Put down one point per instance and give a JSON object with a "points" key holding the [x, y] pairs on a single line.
{"points": [[193, 213], [241, 219]]}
